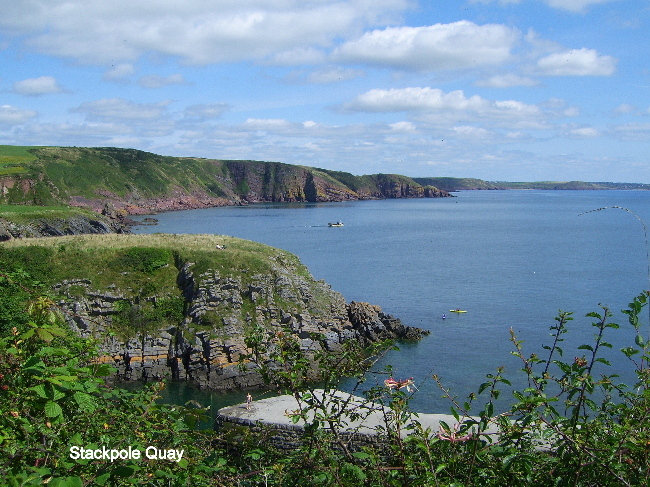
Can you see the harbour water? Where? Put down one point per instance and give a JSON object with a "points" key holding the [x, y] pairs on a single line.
{"points": [[510, 258]]}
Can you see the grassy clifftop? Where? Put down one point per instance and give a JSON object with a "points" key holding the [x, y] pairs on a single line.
{"points": [[134, 181], [182, 305]]}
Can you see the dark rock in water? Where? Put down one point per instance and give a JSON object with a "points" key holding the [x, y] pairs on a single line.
{"points": [[372, 324]]}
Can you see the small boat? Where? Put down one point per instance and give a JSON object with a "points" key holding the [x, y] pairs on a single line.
{"points": [[457, 311], [337, 224]]}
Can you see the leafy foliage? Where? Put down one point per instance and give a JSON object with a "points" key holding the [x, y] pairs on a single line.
{"points": [[568, 427]]}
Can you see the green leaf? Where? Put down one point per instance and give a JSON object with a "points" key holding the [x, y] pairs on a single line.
{"points": [[484, 386], [586, 347], [40, 390], [44, 335], [124, 471], [85, 401], [101, 480], [57, 394], [52, 409], [639, 341], [455, 413]]}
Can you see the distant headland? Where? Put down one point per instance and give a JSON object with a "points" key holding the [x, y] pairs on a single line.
{"points": [[121, 182]]}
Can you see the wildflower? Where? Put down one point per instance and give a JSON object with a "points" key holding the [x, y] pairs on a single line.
{"points": [[581, 362], [451, 434], [400, 384]]}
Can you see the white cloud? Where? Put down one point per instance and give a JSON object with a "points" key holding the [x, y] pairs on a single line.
{"points": [[119, 109], [469, 132], [577, 62], [584, 133], [624, 108], [570, 5], [37, 86], [633, 131], [195, 31], [403, 127], [266, 123], [207, 110], [574, 5], [457, 45], [333, 74], [119, 72], [506, 81], [154, 81], [436, 101], [15, 116]]}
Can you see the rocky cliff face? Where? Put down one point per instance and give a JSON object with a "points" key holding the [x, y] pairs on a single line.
{"points": [[55, 227], [137, 182], [206, 346]]}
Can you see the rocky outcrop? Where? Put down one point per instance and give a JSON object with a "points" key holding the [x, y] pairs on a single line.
{"points": [[206, 346], [55, 227]]}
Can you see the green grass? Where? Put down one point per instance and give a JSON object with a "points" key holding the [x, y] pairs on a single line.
{"points": [[137, 267], [13, 159], [109, 258], [28, 213]]}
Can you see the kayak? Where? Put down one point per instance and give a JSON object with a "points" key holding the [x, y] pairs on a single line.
{"points": [[457, 311]]}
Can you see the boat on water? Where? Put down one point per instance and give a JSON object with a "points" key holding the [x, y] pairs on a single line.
{"points": [[337, 224], [457, 310]]}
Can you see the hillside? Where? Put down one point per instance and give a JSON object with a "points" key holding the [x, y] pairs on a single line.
{"points": [[458, 184], [135, 182], [180, 305]]}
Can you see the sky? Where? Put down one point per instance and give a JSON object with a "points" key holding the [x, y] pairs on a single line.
{"points": [[502, 90]]}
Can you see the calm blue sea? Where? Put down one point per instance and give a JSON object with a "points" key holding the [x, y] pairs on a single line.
{"points": [[512, 259]]}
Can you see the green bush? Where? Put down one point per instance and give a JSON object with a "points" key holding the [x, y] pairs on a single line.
{"points": [[143, 259]]}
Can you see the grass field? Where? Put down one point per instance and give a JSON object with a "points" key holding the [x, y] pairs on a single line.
{"points": [[27, 213], [14, 158]]}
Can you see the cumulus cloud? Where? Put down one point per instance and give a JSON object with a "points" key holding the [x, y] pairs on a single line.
{"points": [[506, 81], [15, 116], [206, 111], [577, 62], [154, 81], [435, 100], [37, 86], [195, 31], [119, 109], [624, 108], [457, 45]]}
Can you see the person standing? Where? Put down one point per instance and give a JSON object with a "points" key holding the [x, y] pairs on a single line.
{"points": [[249, 400]]}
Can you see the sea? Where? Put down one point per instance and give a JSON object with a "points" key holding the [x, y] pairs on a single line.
{"points": [[510, 258]]}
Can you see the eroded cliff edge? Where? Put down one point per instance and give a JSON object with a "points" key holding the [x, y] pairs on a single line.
{"points": [[138, 182], [180, 306]]}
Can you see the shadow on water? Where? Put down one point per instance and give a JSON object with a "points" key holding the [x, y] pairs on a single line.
{"points": [[180, 393]]}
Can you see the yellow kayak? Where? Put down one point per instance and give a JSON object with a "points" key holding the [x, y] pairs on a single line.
{"points": [[457, 311]]}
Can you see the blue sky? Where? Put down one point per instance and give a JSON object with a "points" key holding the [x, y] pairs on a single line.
{"points": [[502, 90]]}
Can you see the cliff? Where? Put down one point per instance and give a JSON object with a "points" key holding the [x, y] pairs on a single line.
{"points": [[29, 221], [181, 305], [137, 182]]}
